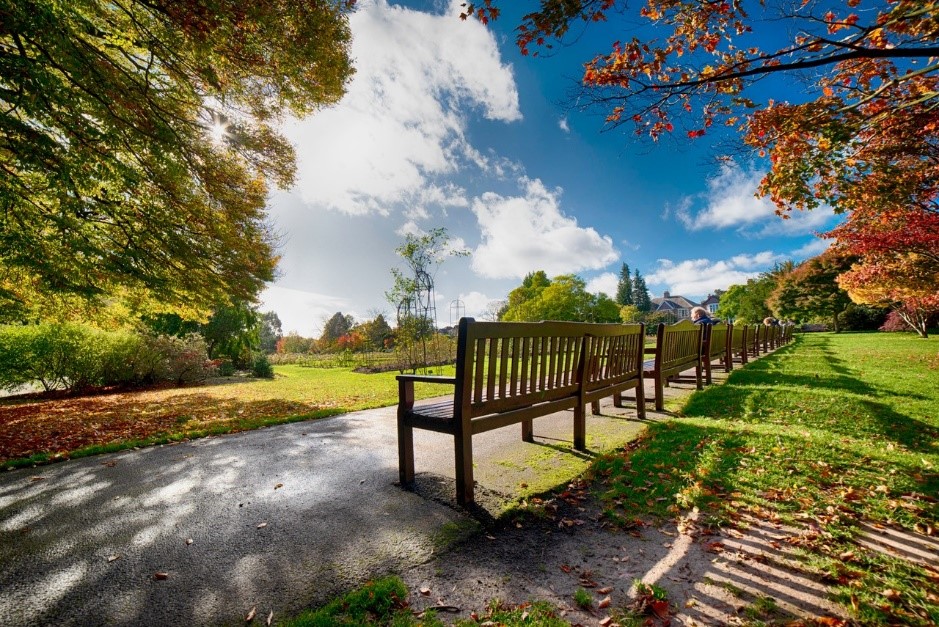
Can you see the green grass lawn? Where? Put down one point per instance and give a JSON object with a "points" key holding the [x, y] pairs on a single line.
{"points": [[831, 431], [38, 430]]}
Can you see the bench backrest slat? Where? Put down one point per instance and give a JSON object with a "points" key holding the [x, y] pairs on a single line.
{"points": [[506, 365], [678, 344], [614, 353], [717, 346]]}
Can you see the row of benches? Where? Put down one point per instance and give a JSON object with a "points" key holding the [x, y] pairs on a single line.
{"points": [[512, 372]]}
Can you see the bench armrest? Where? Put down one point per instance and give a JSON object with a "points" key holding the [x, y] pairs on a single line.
{"points": [[406, 388], [426, 378]]}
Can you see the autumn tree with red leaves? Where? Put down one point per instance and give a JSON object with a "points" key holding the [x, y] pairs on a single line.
{"points": [[864, 140]]}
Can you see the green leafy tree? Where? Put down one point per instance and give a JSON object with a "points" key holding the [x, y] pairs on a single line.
{"points": [[629, 313], [747, 303], [564, 297], [270, 331], [624, 288], [138, 137], [375, 331], [641, 297], [604, 309], [294, 343], [334, 328], [811, 290]]}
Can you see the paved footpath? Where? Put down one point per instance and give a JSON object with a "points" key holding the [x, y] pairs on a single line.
{"points": [[284, 517]]}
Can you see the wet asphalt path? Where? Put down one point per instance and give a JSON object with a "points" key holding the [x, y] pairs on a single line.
{"points": [[279, 519]]}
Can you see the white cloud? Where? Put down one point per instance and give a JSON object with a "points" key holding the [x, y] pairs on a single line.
{"points": [[696, 278], [564, 126], [476, 304], [608, 283], [813, 248], [301, 311], [730, 202], [401, 124], [524, 233]]}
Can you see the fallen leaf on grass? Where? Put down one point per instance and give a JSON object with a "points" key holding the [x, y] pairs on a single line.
{"points": [[251, 613], [890, 593], [161, 576]]}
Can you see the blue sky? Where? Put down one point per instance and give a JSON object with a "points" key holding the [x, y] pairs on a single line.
{"points": [[446, 124]]}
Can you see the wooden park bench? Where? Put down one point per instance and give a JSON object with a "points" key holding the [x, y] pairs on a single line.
{"points": [[756, 339], [738, 342], [716, 345], [677, 348], [512, 372]]}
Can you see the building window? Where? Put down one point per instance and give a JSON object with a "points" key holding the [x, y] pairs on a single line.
{"points": [[682, 313], [712, 307]]}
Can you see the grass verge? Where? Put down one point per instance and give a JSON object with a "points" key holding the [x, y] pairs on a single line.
{"points": [[40, 430], [827, 434]]}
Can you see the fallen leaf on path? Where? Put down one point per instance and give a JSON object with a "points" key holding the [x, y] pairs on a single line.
{"points": [[161, 576], [37, 478], [714, 547], [114, 557], [604, 602], [262, 525], [605, 590], [251, 613], [425, 591], [188, 541], [279, 485], [605, 621], [270, 617]]}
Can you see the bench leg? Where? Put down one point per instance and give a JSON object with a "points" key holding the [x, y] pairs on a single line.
{"points": [[641, 400], [659, 392], [707, 373], [528, 431], [697, 377], [405, 454], [463, 449], [580, 427], [618, 399], [595, 407]]}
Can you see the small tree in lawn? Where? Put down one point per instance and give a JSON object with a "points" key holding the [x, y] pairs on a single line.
{"points": [[908, 283], [413, 295]]}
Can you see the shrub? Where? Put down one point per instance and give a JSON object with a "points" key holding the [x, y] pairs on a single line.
{"points": [[863, 318], [75, 357], [225, 367], [262, 367]]}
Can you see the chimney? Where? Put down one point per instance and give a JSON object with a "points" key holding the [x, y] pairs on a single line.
{"points": [[666, 295]]}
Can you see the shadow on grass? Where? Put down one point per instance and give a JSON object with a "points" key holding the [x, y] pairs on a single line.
{"points": [[839, 403]]}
